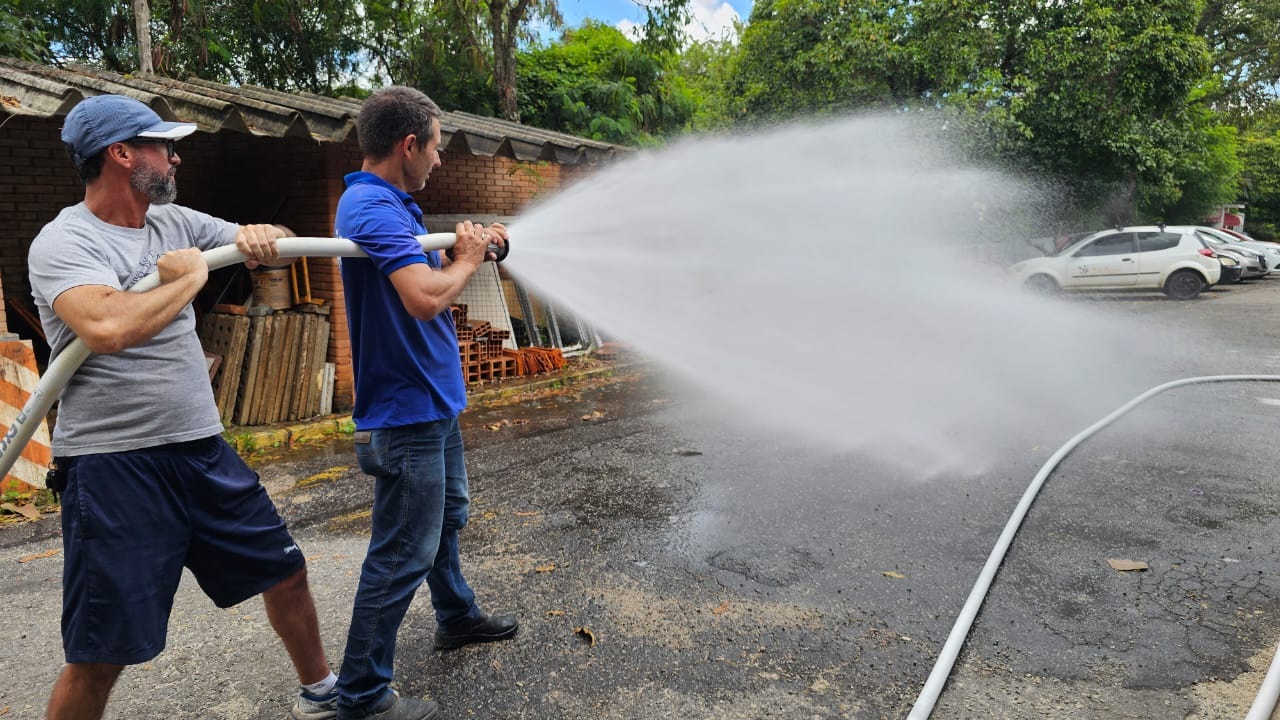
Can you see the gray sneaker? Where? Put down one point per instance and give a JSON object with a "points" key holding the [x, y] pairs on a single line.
{"points": [[394, 707], [313, 707]]}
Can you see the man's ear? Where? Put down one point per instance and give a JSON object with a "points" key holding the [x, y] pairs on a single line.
{"points": [[118, 153]]}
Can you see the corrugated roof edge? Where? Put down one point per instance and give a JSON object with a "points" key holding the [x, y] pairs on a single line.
{"points": [[45, 91]]}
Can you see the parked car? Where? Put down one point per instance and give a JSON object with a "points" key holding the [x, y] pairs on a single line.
{"points": [[1231, 270], [1252, 263], [1269, 251], [1132, 258]]}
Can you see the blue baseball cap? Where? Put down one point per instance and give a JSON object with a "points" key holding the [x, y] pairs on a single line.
{"points": [[98, 121]]}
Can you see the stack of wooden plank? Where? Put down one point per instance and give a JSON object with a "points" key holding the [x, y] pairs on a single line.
{"points": [[273, 366]]}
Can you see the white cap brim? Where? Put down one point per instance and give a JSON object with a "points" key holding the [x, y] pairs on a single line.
{"points": [[169, 131]]}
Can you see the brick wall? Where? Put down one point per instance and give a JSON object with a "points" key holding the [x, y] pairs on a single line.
{"points": [[36, 181], [247, 179], [488, 186]]}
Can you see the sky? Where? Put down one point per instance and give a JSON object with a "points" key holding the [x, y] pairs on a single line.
{"points": [[711, 18]]}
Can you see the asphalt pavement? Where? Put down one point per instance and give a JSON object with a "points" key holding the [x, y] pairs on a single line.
{"points": [[667, 563]]}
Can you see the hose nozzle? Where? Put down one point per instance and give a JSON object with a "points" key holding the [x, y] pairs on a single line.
{"points": [[500, 250]]}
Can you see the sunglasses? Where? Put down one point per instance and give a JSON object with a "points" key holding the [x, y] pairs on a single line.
{"points": [[168, 144]]}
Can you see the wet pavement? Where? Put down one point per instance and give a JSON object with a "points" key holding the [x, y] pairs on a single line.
{"points": [[666, 562]]}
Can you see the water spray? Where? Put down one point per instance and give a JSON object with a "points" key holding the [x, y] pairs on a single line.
{"points": [[76, 352]]}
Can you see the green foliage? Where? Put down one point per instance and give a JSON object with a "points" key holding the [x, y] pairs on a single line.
{"points": [[283, 44], [1245, 46], [446, 55], [801, 57], [1260, 151], [703, 68], [1109, 96], [598, 84], [21, 36]]}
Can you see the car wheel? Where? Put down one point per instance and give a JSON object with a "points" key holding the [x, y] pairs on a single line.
{"points": [[1184, 285], [1041, 285]]}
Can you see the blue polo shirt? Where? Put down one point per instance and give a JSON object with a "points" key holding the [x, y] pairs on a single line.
{"points": [[406, 370]]}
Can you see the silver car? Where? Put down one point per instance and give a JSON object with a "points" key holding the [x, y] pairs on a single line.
{"points": [[1253, 263], [1269, 251]]}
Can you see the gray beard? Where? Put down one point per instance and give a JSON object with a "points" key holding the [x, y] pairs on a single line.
{"points": [[159, 188]]}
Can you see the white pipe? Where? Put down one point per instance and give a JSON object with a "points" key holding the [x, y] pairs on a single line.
{"points": [[1265, 702], [76, 352], [947, 657]]}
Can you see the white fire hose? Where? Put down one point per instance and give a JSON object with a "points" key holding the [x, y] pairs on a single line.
{"points": [[1267, 696], [76, 352]]}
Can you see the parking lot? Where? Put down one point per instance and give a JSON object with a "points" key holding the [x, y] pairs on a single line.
{"points": [[668, 563]]}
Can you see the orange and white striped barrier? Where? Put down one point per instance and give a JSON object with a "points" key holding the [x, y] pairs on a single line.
{"points": [[18, 378]]}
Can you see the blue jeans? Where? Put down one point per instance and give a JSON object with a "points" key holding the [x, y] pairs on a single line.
{"points": [[419, 505]]}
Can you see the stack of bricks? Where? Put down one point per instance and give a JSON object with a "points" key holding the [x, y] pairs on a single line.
{"points": [[483, 357], [480, 349]]}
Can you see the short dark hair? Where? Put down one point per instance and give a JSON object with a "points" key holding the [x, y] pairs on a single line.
{"points": [[392, 113], [91, 168]]}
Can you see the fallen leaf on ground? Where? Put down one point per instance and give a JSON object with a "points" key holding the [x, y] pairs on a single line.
{"points": [[37, 556], [1127, 565], [497, 425], [586, 632], [27, 511], [593, 415], [555, 613], [721, 609], [527, 513], [545, 568], [893, 574], [520, 421]]}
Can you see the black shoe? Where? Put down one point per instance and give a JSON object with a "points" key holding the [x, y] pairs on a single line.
{"points": [[485, 628], [394, 707]]}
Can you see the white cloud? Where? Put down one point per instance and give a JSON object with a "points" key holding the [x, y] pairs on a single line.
{"points": [[710, 19]]}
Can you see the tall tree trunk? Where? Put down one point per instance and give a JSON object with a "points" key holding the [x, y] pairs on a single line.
{"points": [[504, 22], [142, 24]]}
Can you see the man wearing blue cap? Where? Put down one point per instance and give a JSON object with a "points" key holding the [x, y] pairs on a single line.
{"points": [[148, 485]]}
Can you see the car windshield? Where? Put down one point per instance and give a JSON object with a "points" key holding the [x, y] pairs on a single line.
{"points": [[1071, 243], [1219, 235]]}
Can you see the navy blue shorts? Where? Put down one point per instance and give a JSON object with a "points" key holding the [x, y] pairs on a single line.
{"points": [[132, 520]]}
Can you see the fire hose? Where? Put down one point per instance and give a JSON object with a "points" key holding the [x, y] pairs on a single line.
{"points": [[1268, 694], [62, 367]]}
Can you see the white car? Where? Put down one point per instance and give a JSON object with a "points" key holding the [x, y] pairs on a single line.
{"points": [[1270, 251], [1132, 258]]}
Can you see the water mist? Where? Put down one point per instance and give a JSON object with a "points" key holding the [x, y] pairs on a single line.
{"points": [[838, 283]]}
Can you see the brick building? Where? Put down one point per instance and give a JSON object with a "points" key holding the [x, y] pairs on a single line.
{"points": [[259, 156]]}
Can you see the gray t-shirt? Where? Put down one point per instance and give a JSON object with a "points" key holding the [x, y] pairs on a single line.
{"points": [[147, 395]]}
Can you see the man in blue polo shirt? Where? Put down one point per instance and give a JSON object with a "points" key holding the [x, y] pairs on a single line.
{"points": [[409, 392]]}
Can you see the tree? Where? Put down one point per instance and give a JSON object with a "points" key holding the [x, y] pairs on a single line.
{"points": [[142, 30], [597, 83], [21, 35], [799, 57], [703, 68], [1245, 51], [283, 44], [1106, 95], [1260, 184]]}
